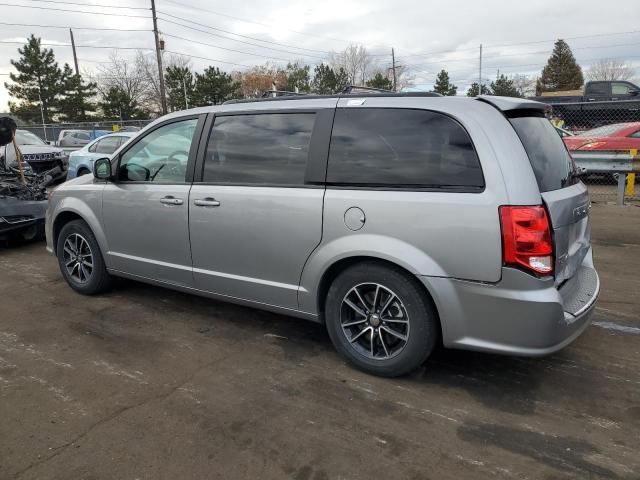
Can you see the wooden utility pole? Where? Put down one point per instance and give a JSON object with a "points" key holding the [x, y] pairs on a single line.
{"points": [[163, 96], [480, 73], [75, 55], [393, 63]]}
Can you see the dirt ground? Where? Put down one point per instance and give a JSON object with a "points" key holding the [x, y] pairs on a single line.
{"points": [[145, 383]]}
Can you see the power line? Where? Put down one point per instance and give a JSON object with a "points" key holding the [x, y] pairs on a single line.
{"points": [[239, 35], [85, 4], [261, 24], [80, 46], [75, 28], [537, 65], [522, 43], [224, 48], [522, 54], [73, 11], [209, 59], [237, 40]]}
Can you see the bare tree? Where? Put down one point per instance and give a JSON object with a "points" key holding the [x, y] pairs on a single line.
{"points": [[404, 77], [123, 74], [147, 66], [610, 69], [356, 61], [525, 85]]}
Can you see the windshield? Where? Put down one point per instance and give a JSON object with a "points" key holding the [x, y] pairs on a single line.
{"points": [[604, 131], [24, 137]]}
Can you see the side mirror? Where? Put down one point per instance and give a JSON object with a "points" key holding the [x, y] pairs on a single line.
{"points": [[634, 92], [102, 169]]}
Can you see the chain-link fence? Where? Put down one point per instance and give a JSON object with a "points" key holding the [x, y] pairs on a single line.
{"points": [[50, 132], [607, 128]]}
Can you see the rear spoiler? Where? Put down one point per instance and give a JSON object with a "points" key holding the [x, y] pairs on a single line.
{"points": [[512, 106]]}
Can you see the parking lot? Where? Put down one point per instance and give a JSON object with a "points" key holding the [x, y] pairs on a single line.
{"points": [[145, 383]]}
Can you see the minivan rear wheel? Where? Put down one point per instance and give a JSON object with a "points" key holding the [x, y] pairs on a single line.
{"points": [[380, 319], [80, 259]]}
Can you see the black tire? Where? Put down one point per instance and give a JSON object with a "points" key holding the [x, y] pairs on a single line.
{"points": [[414, 305], [98, 280], [81, 172], [34, 232]]}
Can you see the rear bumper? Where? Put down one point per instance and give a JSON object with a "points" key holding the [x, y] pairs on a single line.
{"points": [[520, 315]]}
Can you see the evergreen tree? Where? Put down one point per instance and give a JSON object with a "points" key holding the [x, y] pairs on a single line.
{"points": [[39, 80], [297, 77], [327, 81], [504, 87], [474, 88], [117, 103], [77, 102], [179, 82], [379, 81], [214, 86], [443, 86], [562, 72]]}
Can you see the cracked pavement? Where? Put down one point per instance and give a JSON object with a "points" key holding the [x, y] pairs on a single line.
{"points": [[145, 383]]}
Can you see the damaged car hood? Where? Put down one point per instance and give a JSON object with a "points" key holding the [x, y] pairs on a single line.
{"points": [[33, 189]]}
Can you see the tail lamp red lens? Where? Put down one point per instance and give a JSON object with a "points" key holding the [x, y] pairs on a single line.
{"points": [[526, 238]]}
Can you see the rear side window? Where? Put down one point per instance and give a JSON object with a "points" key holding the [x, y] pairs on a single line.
{"points": [[261, 149], [598, 88], [107, 145], [398, 148], [549, 158]]}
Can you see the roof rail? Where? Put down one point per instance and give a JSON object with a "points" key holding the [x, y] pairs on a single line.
{"points": [[309, 96], [351, 89], [279, 93]]}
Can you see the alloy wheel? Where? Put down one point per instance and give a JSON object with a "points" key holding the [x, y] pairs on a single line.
{"points": [[374, 321], [77, 258]]}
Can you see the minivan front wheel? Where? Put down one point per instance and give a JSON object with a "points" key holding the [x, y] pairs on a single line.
{"points": [[380, 319], [80, 259]]}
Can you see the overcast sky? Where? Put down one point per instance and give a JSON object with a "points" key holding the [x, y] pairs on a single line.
{"points": [[427, 36]]}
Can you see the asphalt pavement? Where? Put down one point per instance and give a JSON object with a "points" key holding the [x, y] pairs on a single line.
{"points": [[146, 383]]}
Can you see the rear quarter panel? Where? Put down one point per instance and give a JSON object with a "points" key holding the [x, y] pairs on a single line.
{"points": [[431, 234]]}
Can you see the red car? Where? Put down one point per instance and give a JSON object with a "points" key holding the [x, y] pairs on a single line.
{"points": [[618, 136]]}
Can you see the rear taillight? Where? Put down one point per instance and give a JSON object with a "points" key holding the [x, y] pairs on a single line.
{"points": [[526, 238]]}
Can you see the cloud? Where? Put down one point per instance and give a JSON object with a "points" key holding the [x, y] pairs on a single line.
{"points": [[517, 36]]}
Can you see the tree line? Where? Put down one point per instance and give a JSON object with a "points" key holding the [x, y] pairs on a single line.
{"points": [[129, 88], [126, 89]]}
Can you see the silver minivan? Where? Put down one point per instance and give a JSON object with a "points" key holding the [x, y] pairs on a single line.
{"points": [[400, 221]]}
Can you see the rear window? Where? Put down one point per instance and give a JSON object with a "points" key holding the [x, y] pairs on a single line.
{"points": [[549, 157], [397, 148]]}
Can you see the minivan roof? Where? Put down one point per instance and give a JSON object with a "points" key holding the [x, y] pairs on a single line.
{"points": [[337, 95], [506, 105]]}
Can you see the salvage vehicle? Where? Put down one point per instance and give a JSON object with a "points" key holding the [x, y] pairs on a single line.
{"points": [[81, 161], [399, 221], [39, 156], [78, 138], [615, 137], [23, 205], [599, 103]]}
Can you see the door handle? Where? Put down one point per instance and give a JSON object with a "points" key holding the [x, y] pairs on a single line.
{"points": [[171, 200], [206, 202]]}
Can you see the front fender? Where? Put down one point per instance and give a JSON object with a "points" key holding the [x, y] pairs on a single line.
{"points": [[380, 247], [89, 208]]}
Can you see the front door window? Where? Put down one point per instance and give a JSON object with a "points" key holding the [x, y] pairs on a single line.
{"points": [[161, 156]]}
